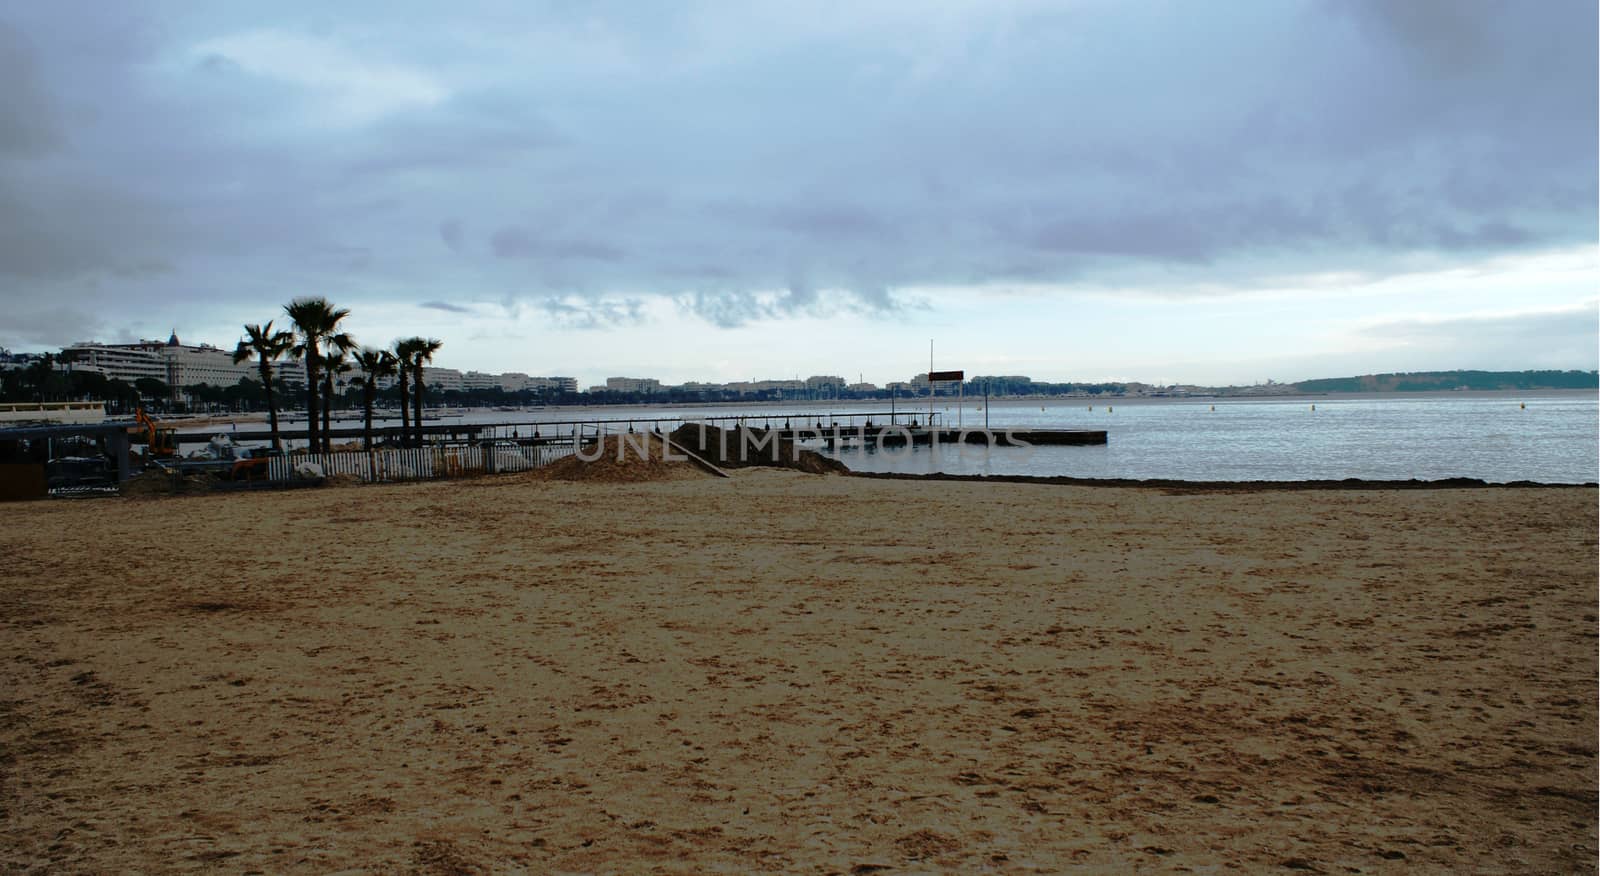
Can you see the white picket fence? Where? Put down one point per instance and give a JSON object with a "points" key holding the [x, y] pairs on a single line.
{"points": [[420, 463]]}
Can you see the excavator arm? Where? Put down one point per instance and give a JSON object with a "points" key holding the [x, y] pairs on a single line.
{"points": [[161, 441]]}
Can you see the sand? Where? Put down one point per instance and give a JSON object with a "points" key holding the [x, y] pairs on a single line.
{"points": [[787, 672], [631, 458]]}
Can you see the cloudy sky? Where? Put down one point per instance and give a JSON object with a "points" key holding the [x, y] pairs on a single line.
{"points": [[1173, 192]]}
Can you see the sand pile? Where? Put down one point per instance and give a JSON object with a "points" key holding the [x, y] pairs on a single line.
{"points": [[622, 459], [156, 482], [723, 447]]}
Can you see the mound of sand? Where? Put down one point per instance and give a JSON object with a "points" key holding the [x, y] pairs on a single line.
{"points": [[622, 459], [156, 482], [740, 448]]}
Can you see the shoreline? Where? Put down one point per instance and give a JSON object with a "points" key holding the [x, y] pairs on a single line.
{"points": [[1232, 486]]}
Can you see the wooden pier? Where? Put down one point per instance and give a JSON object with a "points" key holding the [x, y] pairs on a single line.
{"points": [[890, 437], [830, 429]]}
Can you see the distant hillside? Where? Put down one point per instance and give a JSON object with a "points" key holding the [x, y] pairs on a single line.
{"points": [[1433, 381]]}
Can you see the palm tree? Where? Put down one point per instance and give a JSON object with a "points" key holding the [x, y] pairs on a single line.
{"points": [[422, 353], [266, 345], [375, 365], [403, 351], [334, 363], [317, 322]]}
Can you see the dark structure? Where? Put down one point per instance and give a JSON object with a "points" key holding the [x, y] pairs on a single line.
{"points": [[37, 459]]}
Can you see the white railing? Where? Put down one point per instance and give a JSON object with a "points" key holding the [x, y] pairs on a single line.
{"points": [[420, 463]]}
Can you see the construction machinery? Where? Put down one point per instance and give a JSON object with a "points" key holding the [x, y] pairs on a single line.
{"points": [[163, 442], [252, 464]]}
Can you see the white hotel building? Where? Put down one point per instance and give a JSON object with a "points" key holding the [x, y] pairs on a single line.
{"points": [[179, 365], [173, 363]]}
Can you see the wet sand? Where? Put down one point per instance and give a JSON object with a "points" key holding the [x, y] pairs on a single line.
{"points": [[787, 672]]}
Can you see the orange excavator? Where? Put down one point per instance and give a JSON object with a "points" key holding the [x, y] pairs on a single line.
{"points": [[163, 442]]}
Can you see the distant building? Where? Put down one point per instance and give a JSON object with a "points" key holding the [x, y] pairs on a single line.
{"points": [[176, 364], [10, 360], [190, 366], [763, 387], [442, 379], [632, 384], [515, 381], [477, 380], [124, 362]]}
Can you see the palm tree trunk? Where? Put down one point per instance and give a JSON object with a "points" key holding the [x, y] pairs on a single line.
{"points": [[369, 395], [405, 416], [327, 409], [311, 404], [272, 404], [416, 399]]}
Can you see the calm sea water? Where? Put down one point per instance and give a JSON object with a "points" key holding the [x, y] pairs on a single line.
{"points": [[1550, 437]]}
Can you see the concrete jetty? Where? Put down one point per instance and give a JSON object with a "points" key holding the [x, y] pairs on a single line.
{"points": [[828, 428]]}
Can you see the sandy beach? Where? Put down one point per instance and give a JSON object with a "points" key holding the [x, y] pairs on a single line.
{"points": [[800, 673]]}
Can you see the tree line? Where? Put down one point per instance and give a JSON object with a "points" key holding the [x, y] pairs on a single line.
{"points": [[1433, 381], [42, 381], [318, 339]]}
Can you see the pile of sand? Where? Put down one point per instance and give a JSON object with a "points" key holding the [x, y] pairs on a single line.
{"points": [[157, 482], [622, 459], [723, 448]]}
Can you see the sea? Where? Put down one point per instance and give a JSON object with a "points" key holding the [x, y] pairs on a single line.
{"points": [[1550, 437]]}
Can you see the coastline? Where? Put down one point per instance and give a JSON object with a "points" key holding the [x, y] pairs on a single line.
{"points": [[1170, 484]]}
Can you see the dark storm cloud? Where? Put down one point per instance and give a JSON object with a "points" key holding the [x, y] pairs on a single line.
{"points": [[762, 161]]}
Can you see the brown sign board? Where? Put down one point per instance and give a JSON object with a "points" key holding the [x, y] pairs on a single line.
{"points": [[947, 375]]}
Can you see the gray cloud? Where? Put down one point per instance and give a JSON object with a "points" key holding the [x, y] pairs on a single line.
{"points": [[591, 315], [1546, 338], [451, 233], [767, 162], [513, 242], [1448, 37], [446, 306], [725, 309], [731, 309], [43, 324], [28, 124]]}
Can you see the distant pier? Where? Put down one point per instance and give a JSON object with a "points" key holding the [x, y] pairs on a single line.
{"points": [[832, 429]]}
